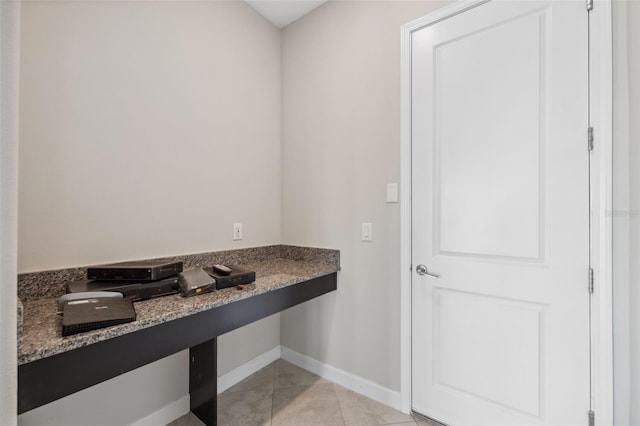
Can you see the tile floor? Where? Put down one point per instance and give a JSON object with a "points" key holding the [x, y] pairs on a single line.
{"points": [[282, 394]]}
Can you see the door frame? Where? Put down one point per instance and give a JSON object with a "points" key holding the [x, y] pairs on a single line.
{"points": [[601, 119]]}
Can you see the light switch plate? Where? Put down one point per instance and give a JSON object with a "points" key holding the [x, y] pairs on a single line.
{"points": [[392, 193], [367, 231]]}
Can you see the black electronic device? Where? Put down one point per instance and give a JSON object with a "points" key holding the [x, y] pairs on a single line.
{"points": [[236, 277], [84, 295], [82, 315], [135, 271], [133, 291], [195, 281]]}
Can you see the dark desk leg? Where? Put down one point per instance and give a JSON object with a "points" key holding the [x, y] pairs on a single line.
{"points": [[203, 381]]}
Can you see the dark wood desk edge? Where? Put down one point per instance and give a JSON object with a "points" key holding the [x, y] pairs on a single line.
{"points": [[49, 379]]}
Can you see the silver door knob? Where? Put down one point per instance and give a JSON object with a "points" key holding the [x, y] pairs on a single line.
{"points": [[422, 270]]}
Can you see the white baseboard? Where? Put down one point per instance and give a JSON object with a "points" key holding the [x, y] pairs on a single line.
{"points": [[350, 381], [365, 387], [179, 408], [248, 368], [166, 414]]}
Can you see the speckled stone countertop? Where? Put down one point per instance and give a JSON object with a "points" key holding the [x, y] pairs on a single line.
{"points": [[275, 266]]}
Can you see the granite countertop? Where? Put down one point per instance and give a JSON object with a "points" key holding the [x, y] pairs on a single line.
{"points": [[40, 336]]}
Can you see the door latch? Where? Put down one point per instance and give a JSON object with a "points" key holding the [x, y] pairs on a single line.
{"points": [[422, 270]]}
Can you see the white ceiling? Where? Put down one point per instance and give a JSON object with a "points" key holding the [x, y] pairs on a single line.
{"points": [[283, 12]]}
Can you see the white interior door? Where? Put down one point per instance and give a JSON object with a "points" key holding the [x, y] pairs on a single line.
{"points": [[500, 211]]}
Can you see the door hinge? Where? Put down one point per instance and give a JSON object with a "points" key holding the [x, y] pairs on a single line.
{"points": [[592, 418], [590, 280], [590, 138], [589, 5]]}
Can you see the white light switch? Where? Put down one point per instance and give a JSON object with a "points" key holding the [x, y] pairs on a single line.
{"points": [[392, 193], [367, 231]]}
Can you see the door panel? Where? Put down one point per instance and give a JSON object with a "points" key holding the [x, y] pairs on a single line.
{"points": [[467, 323], [500, 208], [470, 184]]}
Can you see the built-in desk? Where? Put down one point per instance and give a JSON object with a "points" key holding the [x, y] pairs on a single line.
{"points": [[51, 367]]}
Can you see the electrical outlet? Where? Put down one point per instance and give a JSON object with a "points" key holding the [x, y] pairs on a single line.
{"points": [[237, 231]]}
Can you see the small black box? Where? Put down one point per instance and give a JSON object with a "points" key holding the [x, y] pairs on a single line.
{"points": [[237, 276], [90, 314], [195, 281], [136, 271]]}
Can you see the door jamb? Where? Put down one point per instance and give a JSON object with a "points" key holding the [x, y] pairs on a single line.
{"points": [[601, 118]]}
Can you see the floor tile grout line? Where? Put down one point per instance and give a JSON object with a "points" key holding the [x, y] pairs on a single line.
{"points": [[288, 374], [344, 422], [273, 389]]}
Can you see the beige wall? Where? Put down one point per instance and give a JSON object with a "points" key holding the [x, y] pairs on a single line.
{"points": [[147, 129], [341, 146]]}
